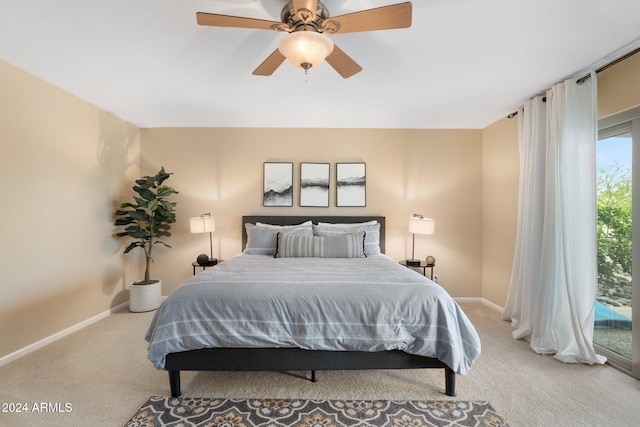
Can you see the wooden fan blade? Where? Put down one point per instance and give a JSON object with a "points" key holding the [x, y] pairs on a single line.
{"points": [[309, 5], [380, 18], [215, 20], [270, 64], [342, 63]]}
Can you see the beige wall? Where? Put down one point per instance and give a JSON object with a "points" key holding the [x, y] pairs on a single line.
{"points": [[501, 168], [62, 165], [437, 173], [619, 87]]}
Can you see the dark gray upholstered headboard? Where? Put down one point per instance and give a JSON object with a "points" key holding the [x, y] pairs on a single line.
{"points": [[291, 220]]}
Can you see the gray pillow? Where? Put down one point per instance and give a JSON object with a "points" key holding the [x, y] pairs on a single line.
{"points": [[371, 239], [343, 246], [262, 240]]}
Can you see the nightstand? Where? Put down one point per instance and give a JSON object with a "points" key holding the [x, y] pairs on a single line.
{"points": [[423, 266], [203, 267]]}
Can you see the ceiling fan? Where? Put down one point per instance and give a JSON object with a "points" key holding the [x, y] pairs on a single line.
{"points": [[307, 21]]}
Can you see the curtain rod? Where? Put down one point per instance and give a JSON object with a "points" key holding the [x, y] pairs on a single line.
{"points": [[515, 113], [609, 65], [604, 67]]}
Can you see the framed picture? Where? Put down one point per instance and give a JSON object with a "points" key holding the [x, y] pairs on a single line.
{"points": [[351, 184], [314, 184], [278, 184]]}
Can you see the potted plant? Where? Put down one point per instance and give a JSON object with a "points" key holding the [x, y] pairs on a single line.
{"points": [[146, 220]]}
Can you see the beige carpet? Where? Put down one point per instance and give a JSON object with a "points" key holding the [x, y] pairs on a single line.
{"points": [[100, 376]]}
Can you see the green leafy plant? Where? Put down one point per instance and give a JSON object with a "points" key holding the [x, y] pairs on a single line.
{"points": [[614, 221], [149, 217]]}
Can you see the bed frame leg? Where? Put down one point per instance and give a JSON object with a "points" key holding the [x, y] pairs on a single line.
{"points": [[174, 382], [313, 376], [450, 381]]}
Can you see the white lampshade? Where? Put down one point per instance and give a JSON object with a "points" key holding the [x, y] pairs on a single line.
{"points": [[419, 225], [305, 49], [202, 224]]}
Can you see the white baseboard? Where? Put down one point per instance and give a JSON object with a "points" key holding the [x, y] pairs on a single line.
{"points": [[51, 338], [486, 302], [496, 307]]}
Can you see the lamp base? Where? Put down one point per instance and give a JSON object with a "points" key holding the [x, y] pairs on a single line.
{"points": [[413, 263]]}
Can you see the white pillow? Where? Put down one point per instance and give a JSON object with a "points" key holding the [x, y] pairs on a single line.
{"points": [[263, 241], [371, 228], [349, 224], [304, 224]]}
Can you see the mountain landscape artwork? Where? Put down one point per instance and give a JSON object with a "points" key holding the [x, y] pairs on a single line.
{"points": [[278, 184], [314, 184], [351, 184]]}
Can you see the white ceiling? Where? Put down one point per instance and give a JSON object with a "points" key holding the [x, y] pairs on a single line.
{"points": [[462, 64]]}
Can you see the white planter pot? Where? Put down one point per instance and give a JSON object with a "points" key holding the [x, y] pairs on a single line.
{"points": [[145, 297]]}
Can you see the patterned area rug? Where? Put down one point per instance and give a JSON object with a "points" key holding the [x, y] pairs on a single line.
{"points": [[168, 411]]}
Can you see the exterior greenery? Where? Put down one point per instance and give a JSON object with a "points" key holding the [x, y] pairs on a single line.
{"points": [[614, 221], [149, 217]]}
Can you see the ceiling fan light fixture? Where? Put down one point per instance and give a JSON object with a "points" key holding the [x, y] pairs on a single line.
{"points": [[305, 49]]}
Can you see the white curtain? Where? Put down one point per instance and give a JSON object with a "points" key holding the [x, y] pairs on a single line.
{"points": [[554, 278]]}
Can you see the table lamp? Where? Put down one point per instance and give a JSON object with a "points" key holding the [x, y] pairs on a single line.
{"points": [[419, 225], [204, 223]]}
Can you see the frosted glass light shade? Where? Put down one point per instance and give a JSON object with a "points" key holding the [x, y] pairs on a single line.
{"points": [[419, 225], [202, 224], [305, 49]]}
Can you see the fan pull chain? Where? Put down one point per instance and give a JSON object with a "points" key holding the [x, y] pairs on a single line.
{"points": [[306, 66]]}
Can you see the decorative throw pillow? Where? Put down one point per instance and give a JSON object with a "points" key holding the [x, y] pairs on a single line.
{"points": [[262, 240], [343, 246], [371, 228]]}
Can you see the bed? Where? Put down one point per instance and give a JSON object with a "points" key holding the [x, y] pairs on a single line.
{"points": [[336, 305]]}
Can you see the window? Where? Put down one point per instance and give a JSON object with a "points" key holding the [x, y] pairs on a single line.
{"points": [[616, 333]]}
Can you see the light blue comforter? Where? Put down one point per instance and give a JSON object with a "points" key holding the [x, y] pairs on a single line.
{"points": [[339, 304]]}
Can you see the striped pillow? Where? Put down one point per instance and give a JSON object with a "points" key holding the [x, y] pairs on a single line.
{"points": [[343, 246], [261, 240]]}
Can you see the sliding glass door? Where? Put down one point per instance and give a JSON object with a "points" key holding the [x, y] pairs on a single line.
{"points": [[616, 332]]}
